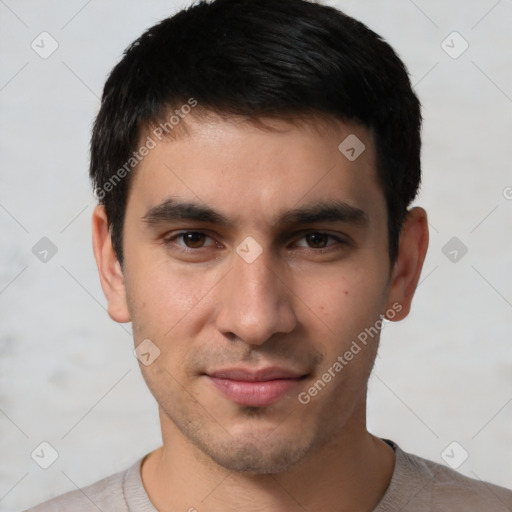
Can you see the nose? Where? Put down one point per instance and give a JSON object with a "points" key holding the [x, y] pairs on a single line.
{"points": [[253, 301]]}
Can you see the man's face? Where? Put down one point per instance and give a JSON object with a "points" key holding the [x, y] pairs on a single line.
{"points": [[295, 271]]}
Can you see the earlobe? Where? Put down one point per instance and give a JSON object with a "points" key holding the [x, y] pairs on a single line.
{"points": [[109, 269], [411, 255]]}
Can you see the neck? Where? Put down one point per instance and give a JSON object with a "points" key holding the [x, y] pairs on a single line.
{"points": [[350, 472]]}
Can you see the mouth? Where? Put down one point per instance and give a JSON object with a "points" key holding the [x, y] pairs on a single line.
{"points": [[255, 388]]}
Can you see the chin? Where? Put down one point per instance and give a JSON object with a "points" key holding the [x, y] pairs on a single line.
{"points": [[249, 458], [247, 454]]}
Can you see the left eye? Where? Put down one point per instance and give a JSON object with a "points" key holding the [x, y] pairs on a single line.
{"points": [[318, 240]]}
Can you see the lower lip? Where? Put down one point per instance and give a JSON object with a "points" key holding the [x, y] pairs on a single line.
{"points": [[255, 394]]}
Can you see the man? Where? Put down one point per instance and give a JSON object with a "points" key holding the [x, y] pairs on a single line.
{"points": [[254, 162]]}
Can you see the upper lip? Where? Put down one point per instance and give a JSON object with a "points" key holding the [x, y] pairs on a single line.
{"points": [[261, 375]]}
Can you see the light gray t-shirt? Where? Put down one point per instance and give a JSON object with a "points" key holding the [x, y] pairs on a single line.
{"points": [[417, 485]]}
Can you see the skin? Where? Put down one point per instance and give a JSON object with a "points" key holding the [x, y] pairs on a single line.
{"points": [[293, 307]]}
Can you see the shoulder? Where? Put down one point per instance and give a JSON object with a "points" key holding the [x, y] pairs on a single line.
{"points": [[420, 484], [448, 487], [106, 494]]}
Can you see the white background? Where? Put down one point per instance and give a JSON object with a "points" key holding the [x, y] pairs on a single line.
{"points": [[67, 372]]}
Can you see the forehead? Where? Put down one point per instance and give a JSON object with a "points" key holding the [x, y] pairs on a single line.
{"points": [[243, 169]]}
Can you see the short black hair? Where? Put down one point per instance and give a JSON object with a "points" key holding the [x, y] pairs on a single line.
{"points": [[258, 59]]}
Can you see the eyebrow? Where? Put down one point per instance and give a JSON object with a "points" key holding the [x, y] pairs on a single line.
{"points": [[172, 209]]}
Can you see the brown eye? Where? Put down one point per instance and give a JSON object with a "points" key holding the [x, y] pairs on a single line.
{"points": [[189, 240], [317, 240], [193, 239]]}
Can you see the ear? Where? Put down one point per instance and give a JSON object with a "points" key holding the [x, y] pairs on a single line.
{"points": [[111, 275], [407, 268]]}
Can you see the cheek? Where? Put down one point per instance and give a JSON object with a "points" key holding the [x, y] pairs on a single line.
{"points": [[342, 311], [163, 300]]}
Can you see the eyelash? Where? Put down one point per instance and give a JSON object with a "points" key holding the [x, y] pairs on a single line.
{"points": [[323, 250]]}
